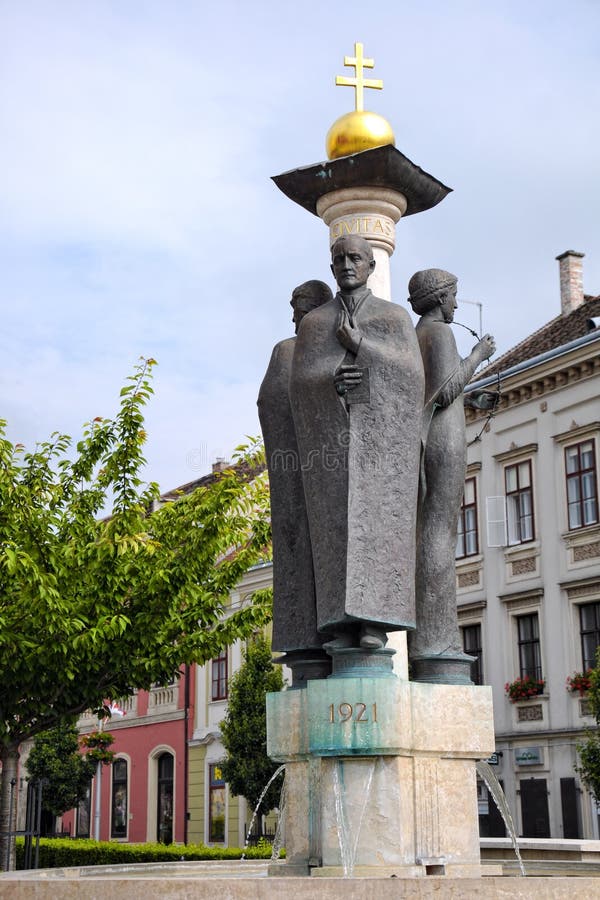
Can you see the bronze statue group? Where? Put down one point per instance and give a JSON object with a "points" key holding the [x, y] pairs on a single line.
{"points": [[363, 421]]}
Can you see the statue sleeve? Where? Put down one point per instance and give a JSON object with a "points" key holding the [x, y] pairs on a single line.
{"points": [[446, 373]]}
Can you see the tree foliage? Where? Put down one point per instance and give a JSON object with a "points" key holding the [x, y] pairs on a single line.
{"points": [[247, 767], [93, 607], [589, 749], [55, 757]]}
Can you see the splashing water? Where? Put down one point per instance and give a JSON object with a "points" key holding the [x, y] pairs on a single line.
{"points": [[485, 771], [348, 841], [278, 838], [257, 807]]}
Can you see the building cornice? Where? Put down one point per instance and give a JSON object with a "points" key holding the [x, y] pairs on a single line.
{"points": [[133, 721], [575, 432], [541, 375], [515, 599], [531, 737], [581, 587], [515, 452], [475, 606], [203, 737]]}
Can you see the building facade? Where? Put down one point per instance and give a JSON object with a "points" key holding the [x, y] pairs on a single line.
{"points": [[217, 817], [528, 582], [528, 591], [528, 561], [143, 792]]}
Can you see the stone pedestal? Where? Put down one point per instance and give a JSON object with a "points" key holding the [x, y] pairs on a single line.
{"points": [[381, 775]]}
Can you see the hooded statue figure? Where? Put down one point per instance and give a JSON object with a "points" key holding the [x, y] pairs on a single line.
{"points": [[294, 604]]}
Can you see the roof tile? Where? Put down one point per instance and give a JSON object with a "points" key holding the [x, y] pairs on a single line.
{"points": [[555, 333]]}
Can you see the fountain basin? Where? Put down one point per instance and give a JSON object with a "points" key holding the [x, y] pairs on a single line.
{"points": [[246, 881], [567, 849]]}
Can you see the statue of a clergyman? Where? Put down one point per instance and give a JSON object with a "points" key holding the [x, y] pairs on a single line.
{"points": [[357, 393], [294, 604], [435, 649]]}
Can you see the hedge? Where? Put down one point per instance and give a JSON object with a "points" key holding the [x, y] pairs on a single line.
{"points": [[64, 852]]}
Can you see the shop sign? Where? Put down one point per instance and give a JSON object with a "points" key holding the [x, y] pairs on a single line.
{"points": [[528, 756]]}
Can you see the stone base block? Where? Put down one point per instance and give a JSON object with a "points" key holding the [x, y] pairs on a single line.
{"points": [[380, 716], [286, 869], [399, 811], [381, 775]]}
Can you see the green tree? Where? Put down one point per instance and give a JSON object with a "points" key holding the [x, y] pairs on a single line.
{"points": [[55, 757], [93, 607], [247, 768], [589, 749]]}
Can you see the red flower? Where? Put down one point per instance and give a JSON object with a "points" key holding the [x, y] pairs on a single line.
{"points": [[579, 682], [524, 688]]}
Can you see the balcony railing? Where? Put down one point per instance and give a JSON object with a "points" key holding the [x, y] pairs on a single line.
{"points": [[162, 699]]}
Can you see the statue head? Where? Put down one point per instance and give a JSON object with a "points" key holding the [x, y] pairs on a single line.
{"points": [[351, 262], [308, 296], [433, 288]]}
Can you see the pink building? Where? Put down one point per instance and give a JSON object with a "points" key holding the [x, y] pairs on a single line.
{"points": [[143, 791]]}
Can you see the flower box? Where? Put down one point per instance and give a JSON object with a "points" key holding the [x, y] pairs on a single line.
{"points": [[579, 682], [524, 688]]}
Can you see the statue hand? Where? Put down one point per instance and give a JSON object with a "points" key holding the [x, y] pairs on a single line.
{"points": [[348, 336], [346, 378], [482, 400], [486, 347]]}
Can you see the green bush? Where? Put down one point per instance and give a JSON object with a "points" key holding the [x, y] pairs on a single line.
{"points": [[63, 852]]}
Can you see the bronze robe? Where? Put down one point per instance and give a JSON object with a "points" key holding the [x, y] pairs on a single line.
{"points": [[360, 463], [294, 605], [444, 470]]}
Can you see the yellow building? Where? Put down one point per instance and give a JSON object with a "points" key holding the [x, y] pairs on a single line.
{"points": [[216, 817]]}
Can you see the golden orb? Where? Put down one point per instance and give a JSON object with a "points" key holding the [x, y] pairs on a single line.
{"points": [[356, 131]]}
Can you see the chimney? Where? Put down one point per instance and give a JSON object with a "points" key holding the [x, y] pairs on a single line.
{"points": [[220, 465], [571, 280]]}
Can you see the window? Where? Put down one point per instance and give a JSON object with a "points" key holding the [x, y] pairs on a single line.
{"points": [[118, 827], [519, 502], [216, 805], [83, 814], [589, 625], [219, 677], [530, 657], [467, 543], [164, 815], [582, 487], [471, 635]]}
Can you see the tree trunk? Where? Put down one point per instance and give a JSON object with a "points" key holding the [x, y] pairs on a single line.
{"points": [[8, 805]]}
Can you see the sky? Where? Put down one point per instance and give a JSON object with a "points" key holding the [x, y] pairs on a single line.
{"points": [[138, 216]]}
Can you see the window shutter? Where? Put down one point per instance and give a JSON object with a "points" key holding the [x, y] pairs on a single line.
{"points": [[495, 509]]}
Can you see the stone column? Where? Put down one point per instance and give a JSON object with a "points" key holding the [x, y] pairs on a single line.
{"points": [[371, 213]]}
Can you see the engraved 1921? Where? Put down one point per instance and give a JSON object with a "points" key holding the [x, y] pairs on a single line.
{"points": [[349, 712]]}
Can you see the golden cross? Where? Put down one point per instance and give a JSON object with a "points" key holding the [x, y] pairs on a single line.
{"points": [[359, 82]]}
